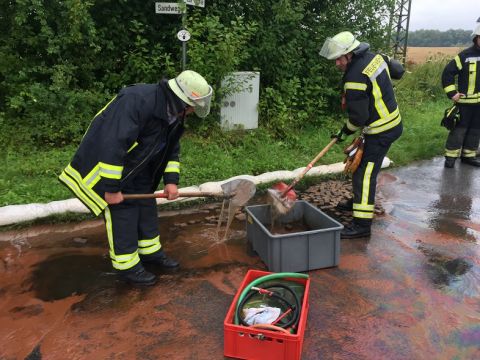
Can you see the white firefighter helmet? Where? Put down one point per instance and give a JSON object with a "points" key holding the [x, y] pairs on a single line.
{"points": [[193, 89], [340, 44], [476, 31]]}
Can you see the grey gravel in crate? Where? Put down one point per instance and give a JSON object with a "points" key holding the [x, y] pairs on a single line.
{"points": [[316, 246]]}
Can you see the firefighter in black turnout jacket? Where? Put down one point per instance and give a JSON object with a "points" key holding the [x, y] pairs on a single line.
{"points": [[372, 108], [463, 139], [131, 144]]}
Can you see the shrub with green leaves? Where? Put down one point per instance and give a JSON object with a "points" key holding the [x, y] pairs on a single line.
{"points": [[61, 61]]}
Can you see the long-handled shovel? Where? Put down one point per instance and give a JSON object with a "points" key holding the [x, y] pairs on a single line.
{"points": [[282, 195], [238, 191]]}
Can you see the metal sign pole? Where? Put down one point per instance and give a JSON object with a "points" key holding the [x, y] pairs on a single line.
{"points": [[179, 8], [184, 43]]}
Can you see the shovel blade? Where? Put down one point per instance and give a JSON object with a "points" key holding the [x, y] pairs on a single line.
{"points": [[239, 190], [281, 188]]}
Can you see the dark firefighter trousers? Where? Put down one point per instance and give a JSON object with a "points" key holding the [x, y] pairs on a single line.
{"points": [[365, 177], [132, 228], [463, 140]]}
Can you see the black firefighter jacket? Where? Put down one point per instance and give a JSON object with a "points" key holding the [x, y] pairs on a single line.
{"points": [[369, 95], [466, 65], [132, 133]]}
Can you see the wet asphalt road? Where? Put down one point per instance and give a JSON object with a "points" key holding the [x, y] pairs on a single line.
{"points": [[411, 291]]}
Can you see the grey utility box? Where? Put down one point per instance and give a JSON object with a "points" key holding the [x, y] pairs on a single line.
{"points": [[316, 248], [240, 108]]}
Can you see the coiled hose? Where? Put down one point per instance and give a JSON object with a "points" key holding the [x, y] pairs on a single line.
{"points": [[262, 279], [295, 308]]}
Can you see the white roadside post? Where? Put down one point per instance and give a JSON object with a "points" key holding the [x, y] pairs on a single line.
{"points": [[179, 8]]}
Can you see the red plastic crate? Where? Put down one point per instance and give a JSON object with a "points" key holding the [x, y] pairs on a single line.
{"points": [[242, 342]]}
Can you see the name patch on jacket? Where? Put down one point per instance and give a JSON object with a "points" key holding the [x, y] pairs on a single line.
{"points": [[373, 66]]}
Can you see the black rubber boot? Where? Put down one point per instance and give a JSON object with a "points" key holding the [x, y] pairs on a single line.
{"points": [[354, 231], [345, 205], [449, 161], [138, 276], [160, 259], [471, 161]]}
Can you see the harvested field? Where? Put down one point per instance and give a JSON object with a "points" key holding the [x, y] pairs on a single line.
{"points": [[418, 55]]}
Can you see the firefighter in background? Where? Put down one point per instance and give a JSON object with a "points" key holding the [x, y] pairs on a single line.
{"points": [[131, 144], [372, 108], [464, 138]]}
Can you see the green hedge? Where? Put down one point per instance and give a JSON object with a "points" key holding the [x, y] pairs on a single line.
{"points": [[60, 61]]}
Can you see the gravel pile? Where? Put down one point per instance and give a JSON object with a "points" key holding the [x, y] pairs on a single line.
{"points": [[328, 194]]}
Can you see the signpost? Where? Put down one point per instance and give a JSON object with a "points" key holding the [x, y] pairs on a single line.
{"points": [[177, 8], [183, 35], [167, 8]]}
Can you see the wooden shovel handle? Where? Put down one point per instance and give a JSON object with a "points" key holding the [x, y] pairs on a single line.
{"points": [[183, 194], [309, 166]]}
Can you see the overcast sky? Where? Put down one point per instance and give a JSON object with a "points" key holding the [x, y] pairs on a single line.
{"points": [[444, 14]]}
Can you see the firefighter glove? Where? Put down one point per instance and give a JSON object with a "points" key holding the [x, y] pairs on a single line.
{"points": [[450, 118], [341, 134]]}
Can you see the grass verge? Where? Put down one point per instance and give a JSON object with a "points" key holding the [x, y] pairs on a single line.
{"points": [[31, 176]]}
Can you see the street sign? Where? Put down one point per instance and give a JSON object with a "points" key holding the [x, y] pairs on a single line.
{"points": [[183, 35], [200, 3], [167, 8]]}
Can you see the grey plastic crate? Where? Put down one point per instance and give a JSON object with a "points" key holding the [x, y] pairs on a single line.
{"points": [[298, 251]]}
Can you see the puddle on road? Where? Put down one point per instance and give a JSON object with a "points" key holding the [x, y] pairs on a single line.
{"points": [[453, 274], [68, 275], [77, 263]]}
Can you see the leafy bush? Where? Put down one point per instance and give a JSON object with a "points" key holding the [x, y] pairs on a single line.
{"points": [[60, 61]]}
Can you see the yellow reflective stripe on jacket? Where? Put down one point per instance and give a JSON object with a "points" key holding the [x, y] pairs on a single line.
{"points": [[470, 99], [458, 62], [449, 88], [379, 103], [384, 124], [98, 113], [75, 188], [389, 117], [355, 86], [146, 247], [387, 126], [110, 171], [173, 167], [75, 175], [135, 144], [472, 76], [373, 70], [103, 170], [452, 153]]}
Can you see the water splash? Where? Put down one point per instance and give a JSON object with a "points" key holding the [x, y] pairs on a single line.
{"points": [[229, 218]]}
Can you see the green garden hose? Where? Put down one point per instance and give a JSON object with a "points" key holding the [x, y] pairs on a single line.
{"points": [[259, 280], [293, 307]]}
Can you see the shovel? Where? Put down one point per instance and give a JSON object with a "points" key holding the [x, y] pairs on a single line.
{"points": [[238, 191], [282, 195]]}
